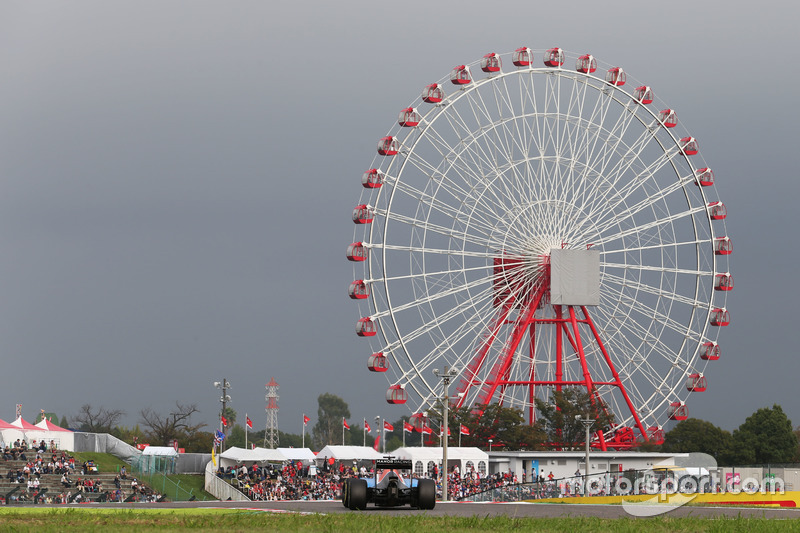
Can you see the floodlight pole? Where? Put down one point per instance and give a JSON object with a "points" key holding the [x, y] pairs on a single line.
{"points": [[587, 424], [445, 376], [224, 385]]}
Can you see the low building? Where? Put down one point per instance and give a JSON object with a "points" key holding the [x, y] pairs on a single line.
{"points": [[567, 464]]}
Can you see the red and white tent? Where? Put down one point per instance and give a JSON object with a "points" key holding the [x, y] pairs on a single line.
{"points": [[10, 432], [24, 425], [46, 425], [64, 439], [20, 428]]}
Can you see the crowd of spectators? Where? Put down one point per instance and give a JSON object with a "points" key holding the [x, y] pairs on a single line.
{"points": [[293, 481], [76, 485], [459, 487]]}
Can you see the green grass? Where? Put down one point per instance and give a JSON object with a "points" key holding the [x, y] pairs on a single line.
{"points": [[110, 463], [105, 461], [114, 520], [193, 483]]}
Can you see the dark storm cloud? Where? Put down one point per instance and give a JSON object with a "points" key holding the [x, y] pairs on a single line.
{"points": [[177, 180]]}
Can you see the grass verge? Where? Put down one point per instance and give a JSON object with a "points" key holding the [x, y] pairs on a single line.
{"points": [[113, 520]]}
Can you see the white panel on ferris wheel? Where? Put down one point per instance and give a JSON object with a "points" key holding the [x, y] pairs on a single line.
{"points": [[574, 277]]}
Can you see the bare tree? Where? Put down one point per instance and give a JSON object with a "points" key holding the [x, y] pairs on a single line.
{"points": [[177, 424], [99, 421]]}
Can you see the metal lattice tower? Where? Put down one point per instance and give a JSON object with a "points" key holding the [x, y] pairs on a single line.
{"points": [[271, 439]]}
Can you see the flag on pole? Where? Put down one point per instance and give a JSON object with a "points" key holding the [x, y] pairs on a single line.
{"points": [[305, 420], [344, 422], [464, 430], [441, 432], [387, 426], [366, 426], [249, 422], [427, 430], [408, 427], [377, 440], [224, 421]]}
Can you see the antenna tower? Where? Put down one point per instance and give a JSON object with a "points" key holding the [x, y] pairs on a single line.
{"points": [[271, 439]]}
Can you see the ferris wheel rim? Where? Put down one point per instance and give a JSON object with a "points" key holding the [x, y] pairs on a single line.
{"points": [[399, 343]]}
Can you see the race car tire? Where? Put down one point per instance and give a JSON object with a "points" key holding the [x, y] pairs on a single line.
{"points": [[357, 494], [346, 493], [426, 498]]}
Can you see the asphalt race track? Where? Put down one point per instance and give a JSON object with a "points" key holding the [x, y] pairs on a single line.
{"points": [[519, 510]]}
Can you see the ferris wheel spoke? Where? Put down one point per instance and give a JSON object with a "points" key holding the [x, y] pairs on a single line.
{"points": [[648, 312], [610, 159], [448, 292], [444, 208], [659, 269], [430, 227], [445, 343], [462, 162], [676, 245], [653, 366], [614, 195], [608, 217], [643, 229], [422, 275], [428, 250], [649, 289]]}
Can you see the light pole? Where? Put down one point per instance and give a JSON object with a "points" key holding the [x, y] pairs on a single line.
{"points": [[587, 424], [225, 398], [490, 444], [380, 434], [445, 376]]}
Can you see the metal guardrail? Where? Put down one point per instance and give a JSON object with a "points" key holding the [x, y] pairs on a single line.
{"points": [[220, 488]]}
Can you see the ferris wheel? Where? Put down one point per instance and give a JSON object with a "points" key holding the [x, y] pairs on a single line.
{"points": [[535, 227]]}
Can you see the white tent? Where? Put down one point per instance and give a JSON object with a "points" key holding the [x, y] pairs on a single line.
{"points": [[298, 454], [161, 451], [158, 459], [64, 439], [467, 459], [10, 433], [349, 453], [235, 455]]}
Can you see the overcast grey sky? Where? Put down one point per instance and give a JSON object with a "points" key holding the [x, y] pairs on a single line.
{"points": [[176, 182]]}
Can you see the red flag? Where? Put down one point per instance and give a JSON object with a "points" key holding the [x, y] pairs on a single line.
{"points": [[346, 425], [249, 422], [377, 440], [387, 426], [305, 420], [223, 420], [366, 426], [408, 427], [464, 430], [441, 432], [427, 430]]}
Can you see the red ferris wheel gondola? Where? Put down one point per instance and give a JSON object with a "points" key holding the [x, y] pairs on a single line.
{"points": [[643, 94], [586, 64], [491, 62], [554, 57], [522, 57], [616, 76]]}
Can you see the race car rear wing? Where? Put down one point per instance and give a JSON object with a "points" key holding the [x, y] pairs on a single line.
{"points": [[392, 464]]}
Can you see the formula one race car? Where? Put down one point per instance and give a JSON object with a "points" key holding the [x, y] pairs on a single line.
{"points": [[389, 488]]}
